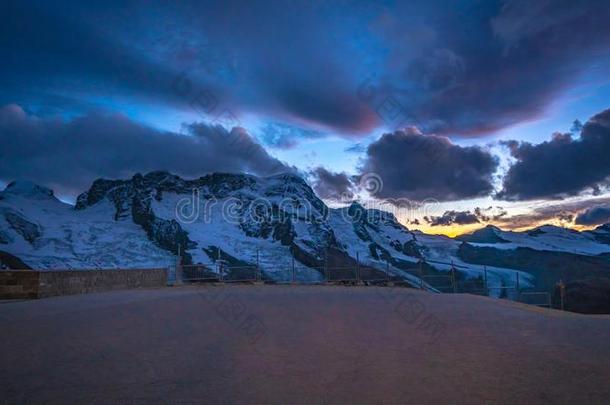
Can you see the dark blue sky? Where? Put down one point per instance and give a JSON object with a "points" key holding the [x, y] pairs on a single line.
{"points": [[313, 84]]}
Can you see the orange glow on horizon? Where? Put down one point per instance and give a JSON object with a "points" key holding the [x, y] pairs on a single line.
{"points": [[456, 230]]}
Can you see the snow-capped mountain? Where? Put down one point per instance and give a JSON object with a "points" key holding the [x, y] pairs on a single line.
{"points": [[46, 233], [146, 221], [544, 238], [549, 253]]}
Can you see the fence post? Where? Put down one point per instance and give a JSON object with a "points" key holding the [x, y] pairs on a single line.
{"points": [[485, 278], [517, 286], [357, 268], [257, 276], [562, 292], [218, 259], [326, 264], [453, 278], [219, 263], [387, 271], [178, 274], [171, 275], [421, 274], [293, 273]]}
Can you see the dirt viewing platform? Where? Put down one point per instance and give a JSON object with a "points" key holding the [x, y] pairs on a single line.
{"points": [[298, 344]]}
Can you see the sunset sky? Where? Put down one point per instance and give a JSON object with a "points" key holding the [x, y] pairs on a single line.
{"points": [[453, 114]]}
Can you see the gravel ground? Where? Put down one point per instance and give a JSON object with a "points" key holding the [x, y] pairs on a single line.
{"points": [[303, 344]]}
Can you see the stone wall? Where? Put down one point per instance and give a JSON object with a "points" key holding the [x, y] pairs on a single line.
{"points": [[19, 284], [40, 284]]}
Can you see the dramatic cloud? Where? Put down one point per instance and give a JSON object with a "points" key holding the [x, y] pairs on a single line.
{"points": [[453, 218], [478, 215], [419, 167], [280, 72], [485, 66], [562, 212], [478, 67], [68, 155], [332, 186], [490, 213], [594, 216], [562, 166]]}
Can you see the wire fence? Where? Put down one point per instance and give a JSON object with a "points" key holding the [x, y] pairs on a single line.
{"points": [[451, 281]]}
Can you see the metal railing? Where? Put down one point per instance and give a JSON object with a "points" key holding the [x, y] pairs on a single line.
{"points": [[237, 274], [448, 279], [197, 272], [361, 273]]}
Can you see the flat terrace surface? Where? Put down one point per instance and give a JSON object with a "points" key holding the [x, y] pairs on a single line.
{"points": [[305, 344]]}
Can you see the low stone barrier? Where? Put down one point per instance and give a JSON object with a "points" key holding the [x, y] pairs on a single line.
{"points": [[18, 284], [21, 284]]}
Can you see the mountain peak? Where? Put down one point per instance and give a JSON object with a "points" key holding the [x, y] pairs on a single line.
{"points": [[488, 234], [550, 229], [604, 227], [28, 189], [287, 176]]}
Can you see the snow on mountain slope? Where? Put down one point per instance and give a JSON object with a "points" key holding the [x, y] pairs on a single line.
{"points": [[274, 216], [218, 232], [274, 222], [375, 238], [46, 233], [601, 234], [442, 253], [239, 218], [544, 238]]}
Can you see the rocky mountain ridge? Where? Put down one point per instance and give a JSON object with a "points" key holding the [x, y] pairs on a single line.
{"points": [[270, 222]]}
